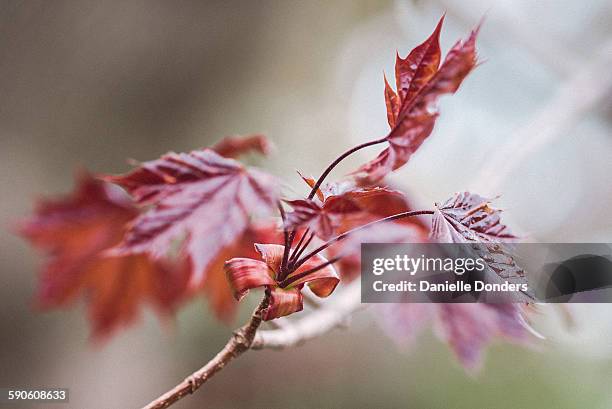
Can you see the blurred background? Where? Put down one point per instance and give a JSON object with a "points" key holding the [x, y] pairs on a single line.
{"points": [[91, 83]]}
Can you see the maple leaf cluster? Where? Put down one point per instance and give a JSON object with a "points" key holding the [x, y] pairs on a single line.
{"points": [[187, 215], [202, 222]]}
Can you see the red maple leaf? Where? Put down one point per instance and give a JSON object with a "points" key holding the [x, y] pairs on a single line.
{"points": [[215, 285], [201, 197], [469, 217], [341, 206], [323, 218], [412, 111], [76, 230], [375, 203], [234, 146]]}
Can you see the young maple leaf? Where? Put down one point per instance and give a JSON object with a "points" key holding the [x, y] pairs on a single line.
{"points": [[215, 285], [376, 202], [286, 298], [321, 218], [76, 231], [342, 206], [200, 196], [467, 328], [412, 112], [468, 218], [379, 203]]}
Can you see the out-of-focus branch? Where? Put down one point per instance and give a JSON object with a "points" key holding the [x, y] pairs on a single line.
{"points": [[328, 316], [332, 315], [574, 98], [239, 343]]}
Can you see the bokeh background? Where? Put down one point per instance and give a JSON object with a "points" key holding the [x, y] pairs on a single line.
{"points": [[91, 83]]}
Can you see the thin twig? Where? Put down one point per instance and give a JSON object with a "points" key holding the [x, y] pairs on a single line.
{"points": [[333, 314], [240, 342]]}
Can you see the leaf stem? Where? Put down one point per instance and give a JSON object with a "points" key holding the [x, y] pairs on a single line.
{"points": [[299, 244], [292, 279], [356, 229], [288, 238], [298, 252], [339, 159]]}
